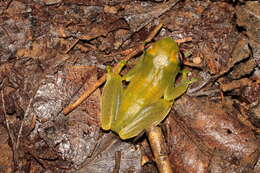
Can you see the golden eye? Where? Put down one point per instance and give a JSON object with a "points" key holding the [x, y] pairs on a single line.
{"points": [[152, 50]]}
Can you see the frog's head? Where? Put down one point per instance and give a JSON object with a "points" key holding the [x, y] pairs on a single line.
{"points": [[164, 51]]}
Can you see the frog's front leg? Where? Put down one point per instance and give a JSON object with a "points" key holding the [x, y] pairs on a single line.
{"points": [[172, 92], [111, 97], [150, 115], [135, 70]]}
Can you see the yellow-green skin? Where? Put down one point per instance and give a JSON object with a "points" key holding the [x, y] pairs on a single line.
{"points": [[148, 97]]}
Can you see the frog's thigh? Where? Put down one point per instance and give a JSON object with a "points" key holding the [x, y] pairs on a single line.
{"points": [[110, 100], [149, 116]]}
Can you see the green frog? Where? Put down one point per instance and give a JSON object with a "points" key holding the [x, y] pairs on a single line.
{"points": [[149, 94]]}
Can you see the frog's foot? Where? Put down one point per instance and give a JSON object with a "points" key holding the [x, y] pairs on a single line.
{"points": [[184, 79], [181, 87]]}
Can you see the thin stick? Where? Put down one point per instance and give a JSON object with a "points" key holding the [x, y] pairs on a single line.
{"points": [[117, 162], [22, 124], [184, 40], [101, 80], [71, 46], [158, 146]]}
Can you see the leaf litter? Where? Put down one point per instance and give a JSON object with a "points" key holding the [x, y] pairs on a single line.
{"points": [[52, 51]]}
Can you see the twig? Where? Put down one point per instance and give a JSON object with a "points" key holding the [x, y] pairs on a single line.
{"points": [[72, 45], [184, 40], [117, 162], [100, 81], [158, 146], [22, 124]]}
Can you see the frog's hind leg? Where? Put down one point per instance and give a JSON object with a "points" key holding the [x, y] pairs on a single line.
{"points": [[150, 115], [111, 97]]}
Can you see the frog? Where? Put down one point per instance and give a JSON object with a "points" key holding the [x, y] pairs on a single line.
{"points": [[143, 97]]}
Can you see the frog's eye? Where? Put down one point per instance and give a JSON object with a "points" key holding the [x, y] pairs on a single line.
{"points": [[152, 50]]}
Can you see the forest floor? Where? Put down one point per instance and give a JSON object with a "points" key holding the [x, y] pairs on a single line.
{"points": [[51, 51]]}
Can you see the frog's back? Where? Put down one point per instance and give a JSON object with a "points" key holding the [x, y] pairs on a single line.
{"points": [[159, 67]]}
